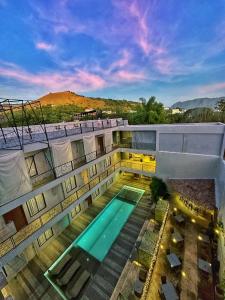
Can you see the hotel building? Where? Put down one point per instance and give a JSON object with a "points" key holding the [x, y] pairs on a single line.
{"points": [[52, 175]]}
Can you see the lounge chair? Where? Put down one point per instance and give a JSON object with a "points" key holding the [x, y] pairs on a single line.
{"points": [[58, 268], [69, 273], [74, 291]]}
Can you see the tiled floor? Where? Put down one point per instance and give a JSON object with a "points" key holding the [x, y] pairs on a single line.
{"points": [[30, 283]]}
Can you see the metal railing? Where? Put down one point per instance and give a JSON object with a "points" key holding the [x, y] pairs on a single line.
{"points": [[9, 138], [13, 241], [63, 169]]}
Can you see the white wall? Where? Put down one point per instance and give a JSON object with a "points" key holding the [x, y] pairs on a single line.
{"points": [[182, 165]]}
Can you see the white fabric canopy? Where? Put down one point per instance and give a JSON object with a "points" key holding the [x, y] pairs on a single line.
{"points": [[62, 157], [14, 177], [89, 147], [108, 141]]}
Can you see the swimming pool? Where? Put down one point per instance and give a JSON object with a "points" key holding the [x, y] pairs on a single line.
{"points": [[99, 236]]}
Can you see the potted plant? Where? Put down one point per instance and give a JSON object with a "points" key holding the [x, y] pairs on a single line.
{"points": [[220, 288]]}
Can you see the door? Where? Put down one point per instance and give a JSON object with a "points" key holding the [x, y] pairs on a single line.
{"points": [[89, 200], [100, 144], [16, 215]]}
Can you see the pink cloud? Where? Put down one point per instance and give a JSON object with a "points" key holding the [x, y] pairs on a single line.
{"points": [[78, 80], [128, 76], [142, 32], [123, 61], [220, 86], [45, 46]]}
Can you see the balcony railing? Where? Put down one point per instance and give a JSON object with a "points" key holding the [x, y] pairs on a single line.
{"points": [[61, 170], [11, 138], [13, 241]]}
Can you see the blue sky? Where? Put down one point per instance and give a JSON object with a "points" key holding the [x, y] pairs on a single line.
{"points": [[173, 49]]}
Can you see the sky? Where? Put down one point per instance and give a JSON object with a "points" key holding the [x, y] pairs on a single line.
{"points": [[122, 49]]}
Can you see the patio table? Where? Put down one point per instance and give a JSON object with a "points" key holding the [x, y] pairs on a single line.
{"points": [[204, 266], [173, 260], [177, 237], [179, 218], [204, 238], [138, 288], [169, 291]]}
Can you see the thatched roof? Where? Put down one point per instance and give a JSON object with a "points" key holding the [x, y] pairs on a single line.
{"points": [[199, 191]]}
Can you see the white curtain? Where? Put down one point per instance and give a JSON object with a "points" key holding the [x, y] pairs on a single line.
{"points": [[62, 157], [14, 177], [89, 147], [108, 141]]}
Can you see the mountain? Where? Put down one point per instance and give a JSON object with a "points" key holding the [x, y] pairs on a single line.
{"points": [[68, 97], [198, 102]]}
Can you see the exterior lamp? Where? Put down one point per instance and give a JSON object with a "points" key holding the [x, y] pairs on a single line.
{"points": [[200, 238], [193, 221], [183, 274], [217, 231]]}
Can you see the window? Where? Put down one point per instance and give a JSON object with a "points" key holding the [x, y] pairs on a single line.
{"points": [[36, 204], [110, 181], [75, 210], [70, 184], [31, 165], [95, 194], [92, 171], [107, 162], [44, 237]]}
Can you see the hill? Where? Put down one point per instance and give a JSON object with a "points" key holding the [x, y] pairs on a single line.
{"points": [[198, 102], [68, 97]]}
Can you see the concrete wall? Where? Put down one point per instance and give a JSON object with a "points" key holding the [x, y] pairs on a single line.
{"points": [[182, 165], [199, 143]]}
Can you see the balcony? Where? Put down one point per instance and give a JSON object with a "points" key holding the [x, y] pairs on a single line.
{"points": [[57, 172], [16, 239], [16, 138]]}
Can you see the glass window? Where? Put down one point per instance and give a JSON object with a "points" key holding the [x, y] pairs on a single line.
{"points": [[36, 204], [32, 169], [44, 237], [70, 184], [110, 181], [75, 210], [95, 193], [107, 162], [92, 171]]}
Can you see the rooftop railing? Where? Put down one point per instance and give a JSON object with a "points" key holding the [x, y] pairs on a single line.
{"points": [[15, 139], [13, 241]]}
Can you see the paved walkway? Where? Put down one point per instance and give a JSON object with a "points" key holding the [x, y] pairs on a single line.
{"points": [[30, 283], [189, 283]]}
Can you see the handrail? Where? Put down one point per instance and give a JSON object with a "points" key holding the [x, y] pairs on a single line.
{"points": [[14, 240], [69, 166], [8, 137]]}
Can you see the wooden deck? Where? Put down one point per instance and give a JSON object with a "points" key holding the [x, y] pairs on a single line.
{"points": [[30, 283]]}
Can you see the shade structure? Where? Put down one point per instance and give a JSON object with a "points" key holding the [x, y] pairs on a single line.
{"points": [[14, 177], [62, 157], [89, 147], [108, 141]]}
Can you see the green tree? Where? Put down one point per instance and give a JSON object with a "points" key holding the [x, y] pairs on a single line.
{"points": [[221, 105], [158, 189]]}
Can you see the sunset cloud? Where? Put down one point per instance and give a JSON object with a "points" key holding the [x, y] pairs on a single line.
{"points": [[45, 46]]}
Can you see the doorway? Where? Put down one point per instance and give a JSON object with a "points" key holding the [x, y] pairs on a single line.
{"points": [[16, 215], [100, 144]]}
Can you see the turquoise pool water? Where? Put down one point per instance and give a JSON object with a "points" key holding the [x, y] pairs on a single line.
{"points": [[99, 236]]}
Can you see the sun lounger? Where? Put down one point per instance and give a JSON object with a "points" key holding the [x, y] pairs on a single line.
{"points": [[58, 268], [74, 291], [69, 273]]}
